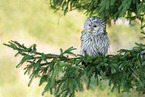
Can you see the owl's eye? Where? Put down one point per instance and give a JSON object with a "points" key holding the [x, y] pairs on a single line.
{"points": [[95, 25]]}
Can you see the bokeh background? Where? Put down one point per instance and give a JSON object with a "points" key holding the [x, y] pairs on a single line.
{"points": [[33, 21]]}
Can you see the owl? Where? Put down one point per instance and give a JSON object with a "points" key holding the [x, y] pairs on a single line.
{"points": [[94, 38]]}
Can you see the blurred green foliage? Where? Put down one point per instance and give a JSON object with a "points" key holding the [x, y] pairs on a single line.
{"points": [[22, 20], [106, 9]]}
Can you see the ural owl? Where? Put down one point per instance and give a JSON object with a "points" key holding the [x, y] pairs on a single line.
{"points": [[94, 38]]}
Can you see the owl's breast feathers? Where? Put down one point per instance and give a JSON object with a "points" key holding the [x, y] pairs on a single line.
{"points": [[94, 44]]}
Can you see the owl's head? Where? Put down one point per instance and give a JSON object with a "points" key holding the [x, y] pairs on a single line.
{"points": [[95, 25]]}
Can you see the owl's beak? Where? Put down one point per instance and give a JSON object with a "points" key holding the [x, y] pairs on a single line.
{"points": [[90, 30]]}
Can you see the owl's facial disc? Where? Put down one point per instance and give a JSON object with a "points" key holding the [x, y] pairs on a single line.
{"points": [[94, 26], [91, 28]]}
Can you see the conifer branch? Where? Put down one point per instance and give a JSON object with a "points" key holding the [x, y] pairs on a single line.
{"points": [[63, 72], [106, 9]]}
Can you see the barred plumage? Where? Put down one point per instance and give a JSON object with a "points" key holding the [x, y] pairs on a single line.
{"points": [[94, 38]]}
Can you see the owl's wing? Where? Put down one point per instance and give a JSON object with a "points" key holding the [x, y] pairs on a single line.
{"points": [[106, 43], [105, 33], [107, 39], [82, 35], [82, 42]]}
